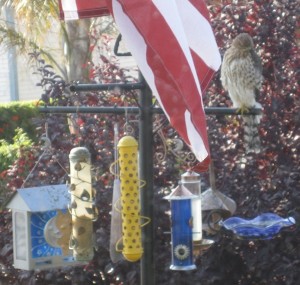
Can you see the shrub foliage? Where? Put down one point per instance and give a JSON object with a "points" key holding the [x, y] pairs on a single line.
{"points": [[17, 115]]}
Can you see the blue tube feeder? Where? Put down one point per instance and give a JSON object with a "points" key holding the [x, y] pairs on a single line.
{"points": [[181, 228]]}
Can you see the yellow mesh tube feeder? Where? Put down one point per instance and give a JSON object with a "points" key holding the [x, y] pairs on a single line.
{"points": [[81, 208], [130, 200]]}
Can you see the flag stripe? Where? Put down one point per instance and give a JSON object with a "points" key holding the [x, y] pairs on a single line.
{"points": [[204, 49], [78, 9], [69, 9], [200, 38], [173, 28], [201, 8]]}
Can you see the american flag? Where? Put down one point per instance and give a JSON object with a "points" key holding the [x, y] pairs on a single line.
{"points": [[175, 49]]}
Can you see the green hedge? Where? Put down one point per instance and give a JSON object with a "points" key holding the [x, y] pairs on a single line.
{"points": [[9, 152], [17, 115], [17, 130]]}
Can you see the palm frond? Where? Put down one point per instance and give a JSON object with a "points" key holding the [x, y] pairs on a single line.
{"points": [[9, 38], [34, 16]]}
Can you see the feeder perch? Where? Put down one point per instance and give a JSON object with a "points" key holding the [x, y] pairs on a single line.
{"points": [[201, 246], [41, 227], [182, 228]]}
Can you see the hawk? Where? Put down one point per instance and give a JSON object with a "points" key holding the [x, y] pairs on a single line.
{"points": [[241, 76]]}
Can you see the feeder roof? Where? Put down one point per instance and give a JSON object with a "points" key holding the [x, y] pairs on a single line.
{"points": [[40, 199], [180, 193], [214, 199]]}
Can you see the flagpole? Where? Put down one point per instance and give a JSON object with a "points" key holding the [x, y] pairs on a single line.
{"points": [[147, 269]]}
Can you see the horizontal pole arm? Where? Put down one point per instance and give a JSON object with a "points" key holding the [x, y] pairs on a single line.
{"points": [[107, 86], [231, 111], [135, 110], [94, 110]]}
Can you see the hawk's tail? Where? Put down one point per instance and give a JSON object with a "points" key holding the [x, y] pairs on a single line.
{"points": [[251, 134]]}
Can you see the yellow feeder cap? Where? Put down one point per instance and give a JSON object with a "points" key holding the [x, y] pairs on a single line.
{"points": [[127, 141]]}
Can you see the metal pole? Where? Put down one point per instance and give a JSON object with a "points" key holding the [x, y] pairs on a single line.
{"points": [[147, 195], [94, 110], [106, 87], [136, 110]]}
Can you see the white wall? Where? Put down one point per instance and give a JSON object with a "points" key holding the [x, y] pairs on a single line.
{"points": [[27, 81], [27, 89], [4, 77], [16, 74]]}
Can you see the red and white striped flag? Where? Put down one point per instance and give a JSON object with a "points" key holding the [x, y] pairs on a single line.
{"points": [[175, 49]]}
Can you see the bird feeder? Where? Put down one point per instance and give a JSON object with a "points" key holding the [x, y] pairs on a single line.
{"points": [[130, 200], [41, 227], [82, 205], [191, 180], [215, 207], [181, 228]]}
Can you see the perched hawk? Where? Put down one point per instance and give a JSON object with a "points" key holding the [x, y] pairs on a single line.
{"points": [[241, 76]]}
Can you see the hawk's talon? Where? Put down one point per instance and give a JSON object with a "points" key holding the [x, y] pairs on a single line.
{"points": [[243, 110]]}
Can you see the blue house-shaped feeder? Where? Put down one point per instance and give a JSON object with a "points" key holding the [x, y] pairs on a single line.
{"points": [[35, 212]]}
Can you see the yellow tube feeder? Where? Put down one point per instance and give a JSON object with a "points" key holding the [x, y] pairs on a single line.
{"points": [[81, 208], [130, 200]]}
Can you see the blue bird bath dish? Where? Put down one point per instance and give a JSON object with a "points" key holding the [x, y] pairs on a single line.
{"points": [[264, 226]]}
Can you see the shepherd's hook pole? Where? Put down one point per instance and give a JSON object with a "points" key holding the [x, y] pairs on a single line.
{"points": [[147, 196]]}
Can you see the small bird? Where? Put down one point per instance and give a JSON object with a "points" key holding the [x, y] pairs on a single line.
{"points": [[241, 76]]}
